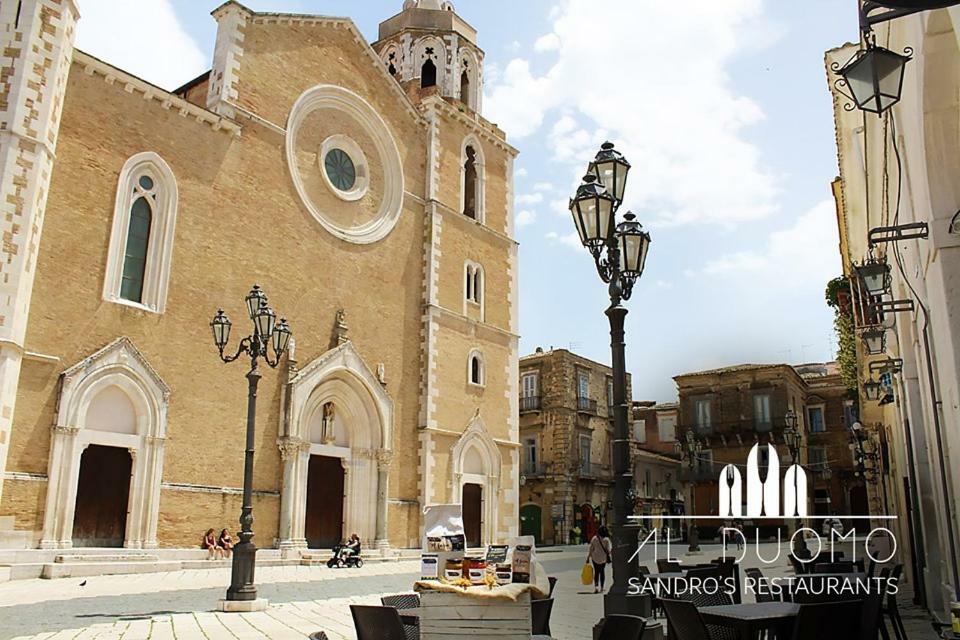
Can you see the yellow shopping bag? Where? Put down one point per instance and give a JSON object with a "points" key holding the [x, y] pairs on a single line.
{"points": [[586, 576]]}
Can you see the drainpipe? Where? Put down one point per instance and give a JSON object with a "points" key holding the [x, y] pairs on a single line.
{"points": [[935, 406]]}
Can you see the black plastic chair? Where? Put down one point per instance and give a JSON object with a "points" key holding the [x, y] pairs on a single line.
{"points": [[553, 583], [835, 567], [871, 615], [377, 623], [622, 627], [668, 566], [685, 621], [761, 586], [827, 620], [892, 610], [540, 616], [411, 624]]}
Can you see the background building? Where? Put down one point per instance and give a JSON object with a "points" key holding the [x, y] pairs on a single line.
{"points": [[729, 410], [357, 183], [566, 434], [897, 169]]}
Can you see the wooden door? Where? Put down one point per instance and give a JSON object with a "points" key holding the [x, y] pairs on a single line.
{"points": [[324, 521], [530, 517], [103, 488], [472, 514]]}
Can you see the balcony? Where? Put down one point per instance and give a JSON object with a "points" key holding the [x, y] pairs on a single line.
{"points": [[532, 469], [529, 403], [589, 470], [586, 405]]}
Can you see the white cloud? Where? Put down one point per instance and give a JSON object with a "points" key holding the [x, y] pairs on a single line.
{"points": [[732, 262], [144, 38], [521, 172], [667, 102], [549, 42], [543, 186], [530, 198], [525, 218], [571, 240], [805, 254], [664, 284], [561, 206]]}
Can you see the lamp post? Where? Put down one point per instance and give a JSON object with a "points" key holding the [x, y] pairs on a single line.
{"points": [[690, 449], [794, 440], [266, 334], [620, 253]]}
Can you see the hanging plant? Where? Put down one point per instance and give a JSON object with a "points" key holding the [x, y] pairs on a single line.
{"points": [[838, 298]]}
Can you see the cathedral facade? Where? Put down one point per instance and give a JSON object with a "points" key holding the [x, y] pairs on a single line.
{"points": [[356, 183]]}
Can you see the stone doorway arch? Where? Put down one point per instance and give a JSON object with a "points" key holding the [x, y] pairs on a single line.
{"points": [[112, 398], [337, 408], [477, 461]]}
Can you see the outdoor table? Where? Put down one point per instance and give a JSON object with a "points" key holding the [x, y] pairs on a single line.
{"points": [[447, 612], [822, 577], [750, 619]]}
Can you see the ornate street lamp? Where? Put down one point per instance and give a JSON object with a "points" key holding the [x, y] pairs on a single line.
{"points": [[874, 77], [619, 252], [875, 275], [793, 440], [690, 450], [874, 340], [872, 389], [266, 334]]}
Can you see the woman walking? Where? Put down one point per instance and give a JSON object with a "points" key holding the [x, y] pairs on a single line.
{"points": [[599, 554]]}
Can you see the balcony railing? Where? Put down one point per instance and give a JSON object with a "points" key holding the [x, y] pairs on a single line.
{"points": [[529, 403], [733, 427], [586, 405], [533, 468]]}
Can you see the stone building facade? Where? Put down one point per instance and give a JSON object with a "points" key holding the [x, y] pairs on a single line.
{"points": [[729, 410], [566, 436], [657, 469], [372, 206], [903, 168]]}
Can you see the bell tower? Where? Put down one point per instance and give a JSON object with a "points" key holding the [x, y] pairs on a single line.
{"points": [[431, 50], [36, 37]]}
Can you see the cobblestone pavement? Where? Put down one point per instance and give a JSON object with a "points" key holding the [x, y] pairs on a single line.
{"points": [[303, 600]]}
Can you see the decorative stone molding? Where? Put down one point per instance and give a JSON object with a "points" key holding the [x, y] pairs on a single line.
{"points": [[162, 199], [342, 378], [291, 447], [390, 162], [164, 99], [120, 366]]}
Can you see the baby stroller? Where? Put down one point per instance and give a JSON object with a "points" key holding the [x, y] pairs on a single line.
{"points": [[343, 558]]}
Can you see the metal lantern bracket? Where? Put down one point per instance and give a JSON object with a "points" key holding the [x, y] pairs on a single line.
{"points": [[893, 365], [911, 231], [893, 306], [875, 12], [955, 224]]}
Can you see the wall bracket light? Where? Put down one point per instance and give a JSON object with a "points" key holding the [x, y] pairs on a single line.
{"points": [[911, 231]]}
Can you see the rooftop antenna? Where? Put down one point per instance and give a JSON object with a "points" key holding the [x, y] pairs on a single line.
{"points": [[573, 346]]}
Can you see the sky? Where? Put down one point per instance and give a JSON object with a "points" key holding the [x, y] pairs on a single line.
{"points": [[722, 108]]}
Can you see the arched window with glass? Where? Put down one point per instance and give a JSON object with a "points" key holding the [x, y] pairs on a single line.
{"points": [[141, 240]]}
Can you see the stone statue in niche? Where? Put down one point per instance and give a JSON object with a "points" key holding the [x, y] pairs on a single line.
{"points": [[327, 434]]}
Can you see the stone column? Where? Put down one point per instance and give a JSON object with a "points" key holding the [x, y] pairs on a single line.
{"points": [[384, 458], [133, 536], [154, 478], [62, 445], [292, 495]]}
